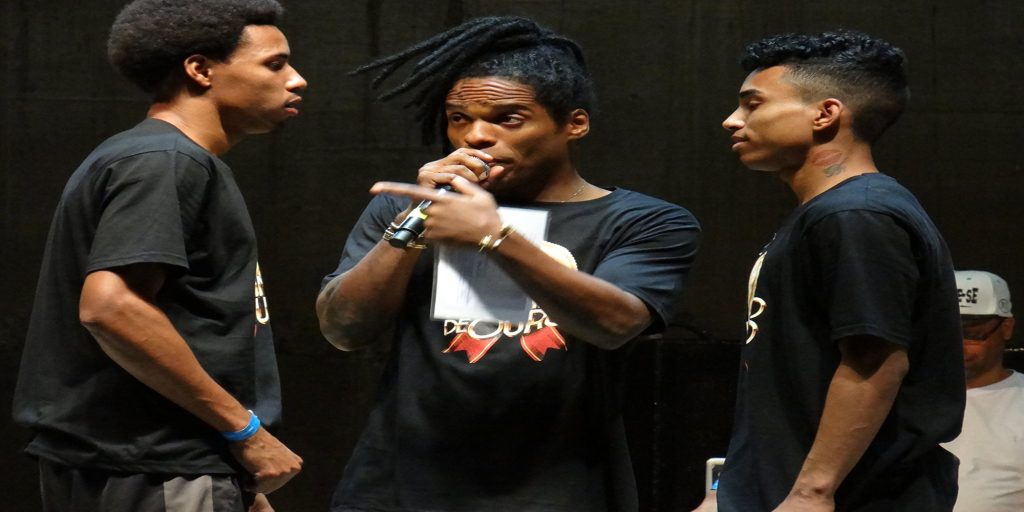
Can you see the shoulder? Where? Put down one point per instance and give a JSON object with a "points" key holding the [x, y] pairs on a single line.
{"points": [[624, 204], [152, 139], [150, 149], [870, 196], [873, 192]]}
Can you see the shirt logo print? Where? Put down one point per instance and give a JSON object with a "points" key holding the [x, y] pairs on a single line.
{"points": [[262, 309], [536, 336], [755, 305]]}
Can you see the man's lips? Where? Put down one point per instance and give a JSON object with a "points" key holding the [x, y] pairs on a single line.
{"points": [[292, 106]]}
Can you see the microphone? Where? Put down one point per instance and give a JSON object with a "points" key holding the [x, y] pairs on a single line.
{"points": [[413, 225]]}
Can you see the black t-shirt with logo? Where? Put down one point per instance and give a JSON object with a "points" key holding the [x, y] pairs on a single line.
{"points": [[146, 195], [862, 259], [477, 416]]}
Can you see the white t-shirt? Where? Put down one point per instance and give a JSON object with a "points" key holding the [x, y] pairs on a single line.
{"points": [[991, 448]]}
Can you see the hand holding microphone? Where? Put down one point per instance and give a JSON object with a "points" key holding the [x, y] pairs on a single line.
{"points": [[412, 227], [463, 215]]}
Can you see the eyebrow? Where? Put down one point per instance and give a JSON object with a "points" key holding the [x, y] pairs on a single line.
{"points": [[746, 93]]}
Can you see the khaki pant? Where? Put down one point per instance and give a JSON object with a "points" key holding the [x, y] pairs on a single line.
{"points": [[67, 489]]}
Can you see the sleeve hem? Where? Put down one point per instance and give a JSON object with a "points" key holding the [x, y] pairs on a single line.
{"points": [[146, 257], [870, 330]]}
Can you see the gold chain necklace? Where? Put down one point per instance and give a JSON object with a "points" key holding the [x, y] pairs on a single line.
{"points": [[576, 193]]}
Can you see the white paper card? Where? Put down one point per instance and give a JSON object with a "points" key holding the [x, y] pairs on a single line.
{"points": [[470, 285]]}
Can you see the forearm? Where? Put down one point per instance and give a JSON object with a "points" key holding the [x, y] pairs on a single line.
{"points": [[859, 398], [582, 305], [355, 307], [140, 338]]}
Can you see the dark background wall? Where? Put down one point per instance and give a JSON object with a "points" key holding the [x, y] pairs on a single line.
{"points": [[666, 74]]}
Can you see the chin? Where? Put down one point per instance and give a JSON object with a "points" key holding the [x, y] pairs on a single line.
{"points": [[259, 130], [751, 162], [759, 166]]}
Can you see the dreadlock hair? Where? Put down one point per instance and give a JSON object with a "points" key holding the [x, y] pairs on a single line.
{"points": [[864, 72], [508, 47], [150, 38]]}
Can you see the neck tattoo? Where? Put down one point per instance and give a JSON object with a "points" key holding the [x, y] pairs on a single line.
{"points": [[833, 170]]}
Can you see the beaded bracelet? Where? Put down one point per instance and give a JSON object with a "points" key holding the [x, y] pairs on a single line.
{"points": [[246, 432]]}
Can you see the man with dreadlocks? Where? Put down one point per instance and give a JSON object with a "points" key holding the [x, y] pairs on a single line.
{"points": [[503, 417], [851, 374]]}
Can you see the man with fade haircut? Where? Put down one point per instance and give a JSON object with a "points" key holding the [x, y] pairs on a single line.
{"points": [[503, 416], [851, 372], [991, 446], [149, 373]]}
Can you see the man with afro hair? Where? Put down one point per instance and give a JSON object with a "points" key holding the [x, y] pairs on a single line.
{"points": [[149, 375]]}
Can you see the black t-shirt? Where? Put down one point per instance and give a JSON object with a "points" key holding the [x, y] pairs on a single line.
{"points": [[535, 422], [862, 258], [150, 195]]}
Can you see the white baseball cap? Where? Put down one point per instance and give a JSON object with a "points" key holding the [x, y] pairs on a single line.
{"points": [[982, 294]]}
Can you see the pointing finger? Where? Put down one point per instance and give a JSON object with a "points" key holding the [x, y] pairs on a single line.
{"points": [[407, 190]]}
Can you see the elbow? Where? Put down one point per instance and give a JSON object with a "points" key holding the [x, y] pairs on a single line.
{"points": [[621, 325], [98, 311], [91, 318], [610, 342], [616, 332], [341, 334], [899, 366], [339, 338]]}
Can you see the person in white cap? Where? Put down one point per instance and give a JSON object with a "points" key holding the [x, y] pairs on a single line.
{"points": [[991, 445]]}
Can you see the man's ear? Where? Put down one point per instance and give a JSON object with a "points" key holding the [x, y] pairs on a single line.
{"points": [[579, 124], [1007, 328], [828, 113], [198, 70]]}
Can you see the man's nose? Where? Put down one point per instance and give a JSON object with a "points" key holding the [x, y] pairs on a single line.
{"points": [[480, 135], [296, 82], [733, 122]]}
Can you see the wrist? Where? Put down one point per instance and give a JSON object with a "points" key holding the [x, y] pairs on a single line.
{"points": [[815, 489], [404, 213], [490, 243], [245, 432]]}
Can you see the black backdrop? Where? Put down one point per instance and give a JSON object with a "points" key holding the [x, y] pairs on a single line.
{"points": [[666, 74]]}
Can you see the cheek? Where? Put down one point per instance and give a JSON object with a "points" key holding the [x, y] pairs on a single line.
{"points": [[777, 126], [975, 351], [544, 145], [454, 136]]}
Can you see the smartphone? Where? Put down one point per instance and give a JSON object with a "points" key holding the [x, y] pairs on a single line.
{"points": [[712, 470]]}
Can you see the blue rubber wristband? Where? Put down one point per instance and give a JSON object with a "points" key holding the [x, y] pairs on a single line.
{"points": [[246, 432]]}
